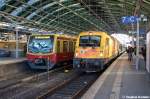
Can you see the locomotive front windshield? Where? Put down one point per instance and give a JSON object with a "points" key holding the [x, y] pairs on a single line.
{"points": [[89, 41], [41, 44]]}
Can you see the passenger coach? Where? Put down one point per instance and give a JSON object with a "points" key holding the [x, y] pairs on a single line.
{"points": [[49, 50], [94, 50]]}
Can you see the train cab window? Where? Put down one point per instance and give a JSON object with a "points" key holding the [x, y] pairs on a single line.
{"points": [[90, 41], [65, 46], [41, 44]]}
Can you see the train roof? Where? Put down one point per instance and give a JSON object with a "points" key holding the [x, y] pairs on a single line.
{"points": [[93, 32], [58, 35], [114, 39]]}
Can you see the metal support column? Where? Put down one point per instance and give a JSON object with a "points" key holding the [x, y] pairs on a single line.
{"points": [[133, 35], [17, 43], [137, 46], [48, 64]]}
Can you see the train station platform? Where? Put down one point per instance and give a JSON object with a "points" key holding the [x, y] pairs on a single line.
{"points": [[10, 66], [121, 81], [10, 60]]}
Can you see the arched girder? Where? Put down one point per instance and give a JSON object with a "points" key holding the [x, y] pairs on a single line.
{"points": [[41, 9], [79, 15], [69, 17], [117, 7], [23, 7], [31, 5], [39, 24], [67, 13], [93, 12], [38, 15], [64, 22], [29, 23], [59, 9], [61, 21], [2, 3], [81, 22]]}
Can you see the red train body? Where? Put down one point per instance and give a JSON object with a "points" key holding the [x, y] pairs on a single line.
{"points": [[45, 54]]}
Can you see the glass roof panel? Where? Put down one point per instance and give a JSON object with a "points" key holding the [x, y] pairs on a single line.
{"points": [[41, 9], [74, 14], [2, 3], [23, 7]]}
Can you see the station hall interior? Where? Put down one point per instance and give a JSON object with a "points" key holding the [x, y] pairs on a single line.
{"points": [[71, 49]]}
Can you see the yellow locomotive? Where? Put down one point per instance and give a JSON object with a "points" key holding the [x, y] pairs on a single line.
{"points": [[93, 50]]}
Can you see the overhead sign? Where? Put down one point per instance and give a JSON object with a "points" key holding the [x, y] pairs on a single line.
{"points": [[129, 19], [141, 31]]}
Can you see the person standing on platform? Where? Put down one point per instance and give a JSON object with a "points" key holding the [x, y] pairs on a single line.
{"points": [[25, 49], [143, 52], [130, 52], [134, 50]]}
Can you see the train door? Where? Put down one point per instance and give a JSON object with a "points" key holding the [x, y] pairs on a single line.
{"points": [[59, 50], [70, 46], [74, 46], [58, 46], [65, 50]]}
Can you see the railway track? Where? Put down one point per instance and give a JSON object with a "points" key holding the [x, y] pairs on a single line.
{"points": [[24, 86], [72, 88], [18, 78], [25, 76], [39, 86]]}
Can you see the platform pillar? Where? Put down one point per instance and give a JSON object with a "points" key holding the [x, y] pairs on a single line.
{"points": [[17, 43]]}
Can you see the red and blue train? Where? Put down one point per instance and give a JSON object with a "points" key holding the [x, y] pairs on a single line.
{"points": [[48, 50]]}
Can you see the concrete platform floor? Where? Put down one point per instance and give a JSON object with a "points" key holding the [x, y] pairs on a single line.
{"points": [[121, 81], [10, 60]]}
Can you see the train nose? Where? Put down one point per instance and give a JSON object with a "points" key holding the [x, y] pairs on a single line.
{"points": [[38, 61], [41, 63]]}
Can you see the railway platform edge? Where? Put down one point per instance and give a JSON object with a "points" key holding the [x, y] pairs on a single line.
{"points": [[121, 81]]}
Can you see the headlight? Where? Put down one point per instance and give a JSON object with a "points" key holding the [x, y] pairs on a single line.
{"points": [[82, 51], [76, 54], [101, 53]]}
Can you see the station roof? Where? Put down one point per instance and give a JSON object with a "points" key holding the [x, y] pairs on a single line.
{"points": [[72, 16]]}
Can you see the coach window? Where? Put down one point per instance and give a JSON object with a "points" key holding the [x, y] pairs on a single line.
{"points": [[65, 46]]}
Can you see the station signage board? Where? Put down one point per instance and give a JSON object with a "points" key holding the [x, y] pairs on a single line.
{"points": [[129, 19]]}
